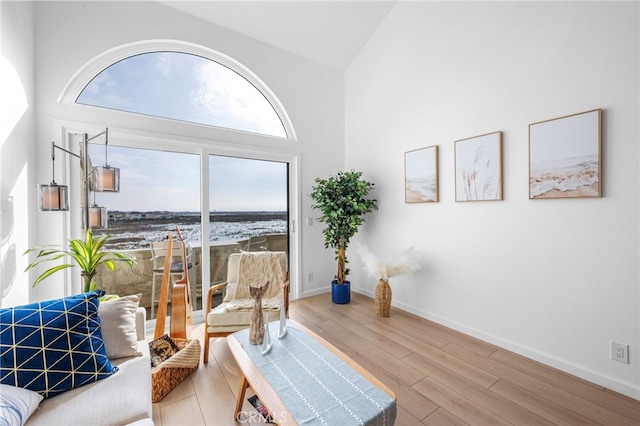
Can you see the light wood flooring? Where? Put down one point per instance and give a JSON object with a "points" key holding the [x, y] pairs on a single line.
{"points": [[440, 376]]}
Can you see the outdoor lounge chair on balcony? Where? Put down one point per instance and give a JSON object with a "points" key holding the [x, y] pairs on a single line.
{"points": [[244, 270]]}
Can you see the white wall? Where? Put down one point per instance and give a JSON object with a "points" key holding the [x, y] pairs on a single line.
{"points": [[555, 280], [70, 34], [16, 149]]}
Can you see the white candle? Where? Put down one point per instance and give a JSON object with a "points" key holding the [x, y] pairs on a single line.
{"points": [[283, 320], [266, 342]]}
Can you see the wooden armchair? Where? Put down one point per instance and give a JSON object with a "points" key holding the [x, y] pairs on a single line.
{"points": [[244, 270]]}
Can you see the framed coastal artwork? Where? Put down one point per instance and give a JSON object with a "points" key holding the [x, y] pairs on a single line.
{"points": [[478, 164], [565, 156], [421, 175]]}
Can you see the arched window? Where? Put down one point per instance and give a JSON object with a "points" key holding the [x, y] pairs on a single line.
{"points": [[183, 86], [224, 188]]}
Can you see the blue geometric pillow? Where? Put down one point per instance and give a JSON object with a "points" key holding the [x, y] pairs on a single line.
{"points": [[53, 346]]}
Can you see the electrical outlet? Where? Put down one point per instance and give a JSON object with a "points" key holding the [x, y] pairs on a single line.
{"points": [[310, 277], [309, 221], [620, 352]]}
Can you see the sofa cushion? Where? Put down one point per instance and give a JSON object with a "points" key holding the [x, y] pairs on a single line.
{"points": [[17, 404], [118, 321], [123, 398], [53, 346]]}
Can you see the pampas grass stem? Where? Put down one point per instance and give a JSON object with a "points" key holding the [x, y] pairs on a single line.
{"points": [[404, 263]]}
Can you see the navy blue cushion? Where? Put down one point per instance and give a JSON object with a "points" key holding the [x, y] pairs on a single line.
{"points": [[53, 346]]}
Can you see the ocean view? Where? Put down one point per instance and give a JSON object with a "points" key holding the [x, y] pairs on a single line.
{"points": [[134, 230]]}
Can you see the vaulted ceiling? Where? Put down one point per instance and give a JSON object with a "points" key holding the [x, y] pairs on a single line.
{"points": [[327, 32]]}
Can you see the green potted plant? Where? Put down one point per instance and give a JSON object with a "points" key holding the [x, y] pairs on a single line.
{"points": [[87, 255], [343, 203]]}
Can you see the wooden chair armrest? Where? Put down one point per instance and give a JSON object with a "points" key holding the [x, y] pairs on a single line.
{"points": [[212, 289], [285, 294]]}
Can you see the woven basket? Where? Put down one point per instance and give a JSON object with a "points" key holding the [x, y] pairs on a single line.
{"points": [[383, 298], [169, 374]]}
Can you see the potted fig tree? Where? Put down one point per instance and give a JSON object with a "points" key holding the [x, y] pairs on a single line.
{"points": [[343, 203]]}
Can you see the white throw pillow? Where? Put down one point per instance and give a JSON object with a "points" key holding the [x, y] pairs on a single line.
{"points": [[118, 324], [17, 404]]}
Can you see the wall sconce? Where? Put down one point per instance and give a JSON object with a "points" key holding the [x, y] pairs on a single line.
{"points": [[54, 197]]}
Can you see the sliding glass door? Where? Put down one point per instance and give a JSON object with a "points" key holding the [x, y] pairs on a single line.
{"points": [[247, 210]]}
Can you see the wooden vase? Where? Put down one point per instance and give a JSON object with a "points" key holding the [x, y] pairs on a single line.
{"points": [[383, 298], [256, 326]]}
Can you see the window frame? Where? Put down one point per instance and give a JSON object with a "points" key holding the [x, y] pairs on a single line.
{"points": [[91, 69], [150, 132]]}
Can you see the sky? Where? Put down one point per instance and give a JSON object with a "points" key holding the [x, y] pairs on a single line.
{"points": [[159, 180], [189, 88]]}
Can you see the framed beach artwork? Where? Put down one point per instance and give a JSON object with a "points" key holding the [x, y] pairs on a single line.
{"points": [[565, 159], [421, 175], [478, 164]]}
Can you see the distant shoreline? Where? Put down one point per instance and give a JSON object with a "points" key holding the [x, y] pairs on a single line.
{"points": [[226, 216], [130, 230]]}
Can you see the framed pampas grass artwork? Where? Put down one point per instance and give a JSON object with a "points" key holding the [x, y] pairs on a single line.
{"points": [[421, 175], [478, 163], [565, 159]]}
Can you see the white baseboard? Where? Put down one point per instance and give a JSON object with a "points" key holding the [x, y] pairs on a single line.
{"points": [[316, 292], [615, 384]]}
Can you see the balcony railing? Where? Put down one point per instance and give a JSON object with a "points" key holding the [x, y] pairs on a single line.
{"points": [[139, 278]]}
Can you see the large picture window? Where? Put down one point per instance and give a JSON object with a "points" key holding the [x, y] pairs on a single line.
{"points": [[222, 203]]}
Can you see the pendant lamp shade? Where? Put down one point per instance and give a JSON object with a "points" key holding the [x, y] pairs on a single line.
{"points": [[53, 197], [98, 217], [107, 179]]}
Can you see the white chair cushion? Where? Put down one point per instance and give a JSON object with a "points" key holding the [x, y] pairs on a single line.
{"points": [[219, 318], [230, 291], [247, 304]]}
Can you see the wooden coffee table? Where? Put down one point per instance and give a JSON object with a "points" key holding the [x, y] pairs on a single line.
{"points": [[252, 375]]}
